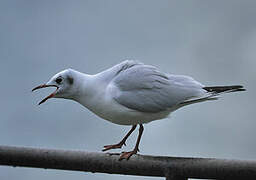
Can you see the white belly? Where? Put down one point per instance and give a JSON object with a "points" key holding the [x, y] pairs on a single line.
{"points": [[110, 110]]}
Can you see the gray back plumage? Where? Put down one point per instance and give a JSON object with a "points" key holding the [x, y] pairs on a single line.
{"points": [[146, 89]]}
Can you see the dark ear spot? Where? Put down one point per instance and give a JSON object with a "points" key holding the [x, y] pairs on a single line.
{"points": [[70, 80]]}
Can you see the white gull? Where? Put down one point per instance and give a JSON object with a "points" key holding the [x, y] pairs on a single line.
{"points": [[132, 93]]}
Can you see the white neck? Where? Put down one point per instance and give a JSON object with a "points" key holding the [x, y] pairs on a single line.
{"points": [[91, 89]]}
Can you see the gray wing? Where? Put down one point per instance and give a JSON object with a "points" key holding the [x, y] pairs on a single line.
{"points": [[144, 88]]}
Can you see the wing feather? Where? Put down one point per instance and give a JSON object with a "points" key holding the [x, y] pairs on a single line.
{"points": [[144, 88]]}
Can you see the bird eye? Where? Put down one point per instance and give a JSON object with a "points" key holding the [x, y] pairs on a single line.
{"points": [[58, 80]]}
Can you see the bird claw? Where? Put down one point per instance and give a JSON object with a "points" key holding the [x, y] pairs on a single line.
{"points": [[127, 155], [114, 146]]}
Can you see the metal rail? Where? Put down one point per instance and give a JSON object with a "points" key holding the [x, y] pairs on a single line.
{"points": [[173, 168]]}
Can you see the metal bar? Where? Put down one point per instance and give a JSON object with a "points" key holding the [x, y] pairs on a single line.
{"points": [[203, 168]]}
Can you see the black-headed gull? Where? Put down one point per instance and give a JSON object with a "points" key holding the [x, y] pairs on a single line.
{"points": [[132, 93]]}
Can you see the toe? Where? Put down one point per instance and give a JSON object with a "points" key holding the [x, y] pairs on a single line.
{"points": [[126, 155], [108, 147]]}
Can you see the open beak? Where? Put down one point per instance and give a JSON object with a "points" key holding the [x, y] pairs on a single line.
{"points": [[44, 86]]}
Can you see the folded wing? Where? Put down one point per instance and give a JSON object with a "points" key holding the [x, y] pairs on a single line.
{"points": [[146, 89]]}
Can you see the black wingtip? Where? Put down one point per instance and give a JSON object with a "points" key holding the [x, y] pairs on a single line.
{"points": [[220, 89]]}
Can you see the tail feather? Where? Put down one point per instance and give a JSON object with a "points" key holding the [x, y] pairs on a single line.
{"points": [[221, 89], [213, 93]]}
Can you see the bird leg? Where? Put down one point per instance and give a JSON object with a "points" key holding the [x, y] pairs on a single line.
{"points": [[121, 143], [127, 155]]}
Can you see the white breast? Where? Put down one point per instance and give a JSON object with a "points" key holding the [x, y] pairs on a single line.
{"points": [[102, 104]]}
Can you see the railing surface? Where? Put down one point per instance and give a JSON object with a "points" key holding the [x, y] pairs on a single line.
{"points": [[173, 168]]}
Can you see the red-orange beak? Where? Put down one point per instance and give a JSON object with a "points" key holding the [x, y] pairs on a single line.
{"points": [[44, 86]]}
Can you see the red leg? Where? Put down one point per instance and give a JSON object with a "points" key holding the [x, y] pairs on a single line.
{"points": [[121, 143], [127, 155]]}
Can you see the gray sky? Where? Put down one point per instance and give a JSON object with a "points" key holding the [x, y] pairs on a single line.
{"points": [[212, 41]]}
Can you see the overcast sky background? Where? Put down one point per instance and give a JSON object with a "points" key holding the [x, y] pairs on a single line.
{"points": [[212, 41]]}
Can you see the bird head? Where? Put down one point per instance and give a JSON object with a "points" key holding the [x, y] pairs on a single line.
{"points": [[64, 83]]}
